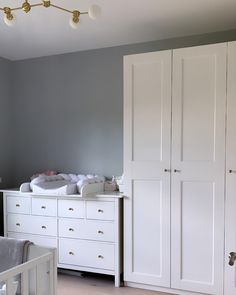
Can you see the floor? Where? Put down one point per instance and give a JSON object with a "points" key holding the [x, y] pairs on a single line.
{"points": [[73, 285]]}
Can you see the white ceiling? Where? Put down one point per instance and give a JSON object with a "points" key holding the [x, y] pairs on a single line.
{"points": [[47, 31]]}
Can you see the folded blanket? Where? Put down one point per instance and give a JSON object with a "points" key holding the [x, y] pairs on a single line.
{"points": [[12, 253]]}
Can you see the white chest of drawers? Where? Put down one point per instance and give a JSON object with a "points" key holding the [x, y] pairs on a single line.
{"points": [[86, 231]]}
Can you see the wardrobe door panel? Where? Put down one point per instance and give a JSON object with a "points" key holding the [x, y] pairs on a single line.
{"points": [[230, 218], [198, 109], [147, 124], [198, 160], [147, 228], [197, 203]]}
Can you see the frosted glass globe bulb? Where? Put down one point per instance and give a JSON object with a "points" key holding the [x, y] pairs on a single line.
{"points": [[95, 11]]}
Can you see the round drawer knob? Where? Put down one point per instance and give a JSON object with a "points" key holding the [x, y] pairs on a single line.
{"points": [[71, 253], [43, 207], [71, 229], [17, 224], [71, 209], [43, 227], [100, 211], [17, 205], [100, 257], [100, 232]]}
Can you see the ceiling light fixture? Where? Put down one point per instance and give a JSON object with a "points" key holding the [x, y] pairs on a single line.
{"points": [[94, 12]]}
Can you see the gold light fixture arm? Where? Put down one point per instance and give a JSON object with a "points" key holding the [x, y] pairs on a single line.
{"points": [[16, 8], [27, 7], [36, 5], [66, 10], [61, 8], [20, 8]]}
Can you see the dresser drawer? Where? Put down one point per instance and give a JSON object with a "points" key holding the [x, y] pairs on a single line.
{"points": [[87, 229], [44, 226], [44, 207], [71, 209], [37, 240], [86, 254], [18, 205], [100, 210], [19, 223], [32, 224]]}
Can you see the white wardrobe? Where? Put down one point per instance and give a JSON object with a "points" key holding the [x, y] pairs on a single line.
{"points": [[180, 169]]}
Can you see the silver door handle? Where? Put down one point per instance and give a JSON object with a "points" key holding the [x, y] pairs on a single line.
{"points": [[232, 171], [232, 258], [167, 170], [177, 171]]}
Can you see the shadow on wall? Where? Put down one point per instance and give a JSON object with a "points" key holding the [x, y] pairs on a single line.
{"points": [[1, 214]]}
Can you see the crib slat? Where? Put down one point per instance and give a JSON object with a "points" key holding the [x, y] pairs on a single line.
{"points": [[51, 280], [9, 286], [36, 281], [25, 283]]}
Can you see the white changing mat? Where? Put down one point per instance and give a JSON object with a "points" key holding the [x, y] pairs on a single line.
{"points": [[63, 184], [56, 187]]}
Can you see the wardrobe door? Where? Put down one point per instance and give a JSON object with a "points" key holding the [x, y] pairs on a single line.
{"points": [[147, 117], [230, 217], [198, 165]]}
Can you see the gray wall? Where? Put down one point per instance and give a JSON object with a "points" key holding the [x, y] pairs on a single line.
{"points": [[5, 131], [67, 109], [5, 121]]}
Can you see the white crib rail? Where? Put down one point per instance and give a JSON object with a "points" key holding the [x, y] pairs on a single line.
{"points": [[24, 269]]}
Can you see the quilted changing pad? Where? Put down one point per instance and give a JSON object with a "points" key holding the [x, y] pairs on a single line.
{"points": [[62, 184]]}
